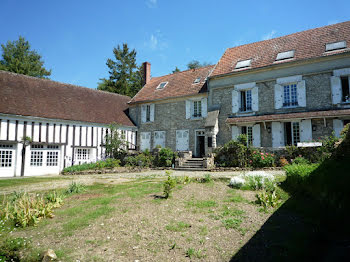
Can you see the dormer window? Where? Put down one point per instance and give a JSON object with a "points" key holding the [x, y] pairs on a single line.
{"points": [[335, 46], [162, 85], [285, 55], [243, 64], [197, 80]]}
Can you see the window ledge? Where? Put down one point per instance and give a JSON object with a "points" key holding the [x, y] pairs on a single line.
{"points": [[196, 118], [245, 113]]}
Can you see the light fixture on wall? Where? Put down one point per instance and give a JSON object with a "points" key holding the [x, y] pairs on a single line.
{"points": [[268, 129], [314, 128]]}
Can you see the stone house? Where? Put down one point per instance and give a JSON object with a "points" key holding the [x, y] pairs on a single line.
{"points": [[67, 124], [282, 91]]}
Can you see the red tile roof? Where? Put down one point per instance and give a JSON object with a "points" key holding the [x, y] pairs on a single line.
{"points": [[179, 84], [30, 96], [307, 44], [277, 117]]}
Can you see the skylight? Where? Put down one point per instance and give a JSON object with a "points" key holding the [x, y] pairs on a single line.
{"points": [[197, 80], [243, 64], [335, 46], [285, 55], [162, 85]]}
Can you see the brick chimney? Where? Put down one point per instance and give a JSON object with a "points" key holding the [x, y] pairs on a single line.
{"points": [[146, 73]]}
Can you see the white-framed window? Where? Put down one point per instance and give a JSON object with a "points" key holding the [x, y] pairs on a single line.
{"points": [[82, 153], [36, 158], [5, 156], [147, 113], [197, 108], [248, 130], [290, 95], [246, 100], [243, 64], [345, 88], [162, 85], [52, 158], [292, 133], [197, 80]]}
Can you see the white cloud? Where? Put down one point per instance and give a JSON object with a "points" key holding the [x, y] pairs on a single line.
{"points": [[156, 41], [269, 35], [151, 3]]}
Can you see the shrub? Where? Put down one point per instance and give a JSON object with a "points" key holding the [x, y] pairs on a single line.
{"points": [[206, 179], [283, 161], [164, 157], [144, 159], [297, 175], [345, 131], [235, 153], [75, 187], [108, 163], [10, 249], [300, 160], [260, 159], [268, 199], [168, 186]]}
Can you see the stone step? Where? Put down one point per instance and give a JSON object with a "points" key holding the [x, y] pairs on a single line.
{"points": [[190, 169]]}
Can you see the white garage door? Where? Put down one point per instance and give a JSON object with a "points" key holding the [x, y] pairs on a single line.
{"points": [[7, 160], [145, 140], [159, 139], [182, 140]]}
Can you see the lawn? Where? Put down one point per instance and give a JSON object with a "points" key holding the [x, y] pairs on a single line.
{"points": [[131, 221]]}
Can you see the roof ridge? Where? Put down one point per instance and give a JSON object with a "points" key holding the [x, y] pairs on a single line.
{"points": [[283, 36], [62, 83], [183, 71]]}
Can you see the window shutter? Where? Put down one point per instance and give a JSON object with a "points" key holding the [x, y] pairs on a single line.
{"points": [[235, 132], [337, 126], [204, 107], [277, 134], [301, 93], [143, 113], [235, 101], [256, 135], [152, 113], [336, 89], [188, 109], [278, 96], [255, 99], [305, 130]]}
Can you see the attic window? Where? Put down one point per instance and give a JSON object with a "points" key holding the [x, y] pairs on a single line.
{"points": [[162, 85], [285, 55], [197, 80], [243, 64], [335, 46]]}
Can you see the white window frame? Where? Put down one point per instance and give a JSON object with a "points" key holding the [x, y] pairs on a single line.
{"points": [[52, 158], [345, 99], [197, 109], [6, 156], [162, 85], [37, 158], [82, 154], [248, 100], [249, 134], [296, 137], [290, 95]]}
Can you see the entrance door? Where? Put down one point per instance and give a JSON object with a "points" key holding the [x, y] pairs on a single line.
{"points": [[200, 144], [145, 140], [182, 140]]}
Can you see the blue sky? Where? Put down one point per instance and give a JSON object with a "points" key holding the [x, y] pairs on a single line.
{"points": [[76, 37]]}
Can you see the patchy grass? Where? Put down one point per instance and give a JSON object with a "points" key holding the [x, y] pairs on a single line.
{"points": [[29, 180], [125, 222]]}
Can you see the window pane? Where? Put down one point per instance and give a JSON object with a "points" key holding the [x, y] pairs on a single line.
{"points": [[250, 135], [249, 99], [36, 158], [52, 158], [296, 133], [294, 95]]}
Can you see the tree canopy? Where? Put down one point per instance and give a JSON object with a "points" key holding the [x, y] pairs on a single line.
{"points": [[176, 70], [125, 76], [17, 57], [196, 64]]}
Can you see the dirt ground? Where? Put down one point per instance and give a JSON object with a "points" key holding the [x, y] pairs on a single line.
{"points": [[138, 225]]}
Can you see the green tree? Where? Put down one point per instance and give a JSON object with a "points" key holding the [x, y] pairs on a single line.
{"points": [[125, 76], [17, 57], [196, 64], [176, 70]]}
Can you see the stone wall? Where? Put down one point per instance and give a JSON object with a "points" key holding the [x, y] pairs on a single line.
{"points": [[169, 117]]}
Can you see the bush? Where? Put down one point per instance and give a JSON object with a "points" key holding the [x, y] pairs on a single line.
{"points": [[301, 161], [75, 188], [297, 175], [144, 159], [235, 153], [283, 161], [259, 159], [108, 163], [164, 157], [168, 186], [10, 249]]}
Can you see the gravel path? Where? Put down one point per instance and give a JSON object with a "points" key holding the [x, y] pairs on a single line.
{"points": [[117, 178]]}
